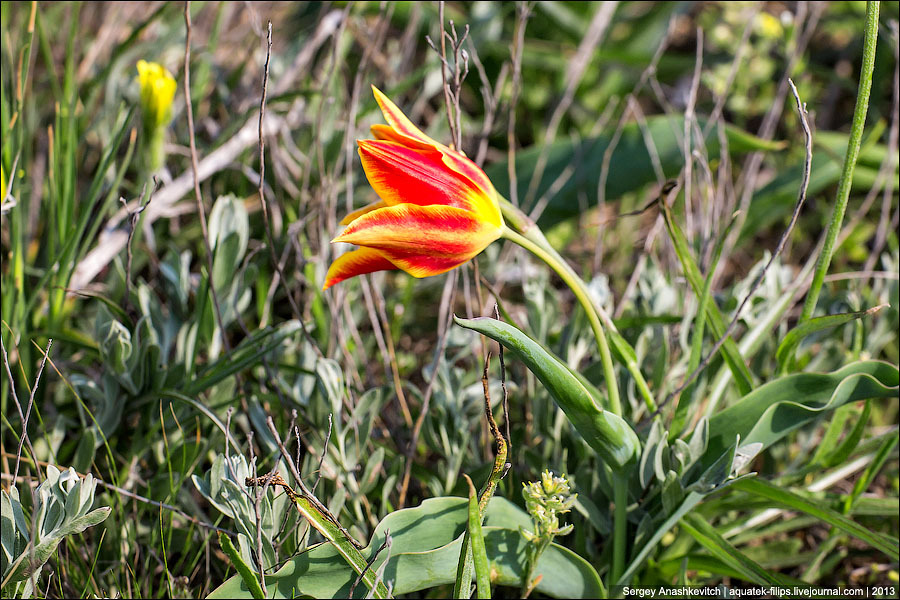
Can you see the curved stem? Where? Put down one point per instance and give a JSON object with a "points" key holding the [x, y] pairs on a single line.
{"points": [[576, 284], [625, 353]]}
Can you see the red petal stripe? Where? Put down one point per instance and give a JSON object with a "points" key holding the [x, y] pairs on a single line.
{"points": [[437, 231], [356, 262], [403, 175]]}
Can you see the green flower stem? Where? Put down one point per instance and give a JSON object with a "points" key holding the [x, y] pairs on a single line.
{"points": [[576, 284], [620, 526], [843, 194], [530, 231], [154, 150], [534, 552]]}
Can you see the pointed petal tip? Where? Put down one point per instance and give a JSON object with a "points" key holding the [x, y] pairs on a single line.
{"points": [[356, 262]]}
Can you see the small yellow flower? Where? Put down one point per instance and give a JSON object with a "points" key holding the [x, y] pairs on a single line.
{"points": [[769, 26], [157, 94]]}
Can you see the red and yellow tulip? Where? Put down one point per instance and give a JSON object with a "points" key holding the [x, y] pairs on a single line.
{"points": [[437, 210]]}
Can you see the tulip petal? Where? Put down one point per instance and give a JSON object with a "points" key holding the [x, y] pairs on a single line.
{"points": [[462, 165], [420, 265], [360, 212], [402, 131], [402, 175], [422, 240], [356, 262], [395, 117], [451, 158]]}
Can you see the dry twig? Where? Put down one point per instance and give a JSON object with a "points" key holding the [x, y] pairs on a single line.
{"points": [[801, 199]]}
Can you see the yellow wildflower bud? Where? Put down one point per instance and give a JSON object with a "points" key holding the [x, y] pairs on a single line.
{"points": [[157, 94]]}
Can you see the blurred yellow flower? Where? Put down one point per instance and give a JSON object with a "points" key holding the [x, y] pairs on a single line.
{"points": [[157, 94], [769, 26]]}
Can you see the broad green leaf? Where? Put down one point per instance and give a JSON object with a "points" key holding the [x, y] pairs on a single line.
{"points": [[758, 487], [605, 432], [775, 409], [425, 552], [789, 344]]}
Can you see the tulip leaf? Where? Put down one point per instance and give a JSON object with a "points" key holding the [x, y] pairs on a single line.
{"points": [[773, 410], [426, 543], [608, 434]]}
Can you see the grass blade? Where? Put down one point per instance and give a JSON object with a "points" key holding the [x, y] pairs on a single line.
{"points": [[789, 344], [758, 487], [710, 539], [742, 376]]}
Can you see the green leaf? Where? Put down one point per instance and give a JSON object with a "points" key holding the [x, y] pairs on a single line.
{"points": [[249, 353], [229, 233], [690, 501], [775, 409], [774, 202], [851, 440], [425, 551], [789, 344], [479, 554], [710, 539], [246, 573], [29, 560], [885, 451], [758, 487], [705, 299], [608, 434]]}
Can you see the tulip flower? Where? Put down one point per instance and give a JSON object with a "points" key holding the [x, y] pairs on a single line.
{"points": [[437, 209]]}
